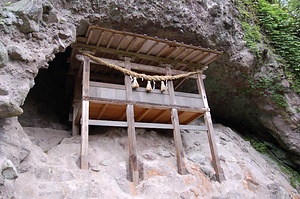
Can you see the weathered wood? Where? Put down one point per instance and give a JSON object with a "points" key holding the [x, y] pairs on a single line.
{"points": [[85, 114], [86, 77], [133, 163], [102, 111], [171, 88], [190, 119], [78, 85], [84, 136], [180, 82], [145, 125], [210, 133], [160, 115], [147, 105], [143, 114], [178, 143], [122, 116], [145, 37], [140, 67], [75, 126], [134, 54], [127, 80]]}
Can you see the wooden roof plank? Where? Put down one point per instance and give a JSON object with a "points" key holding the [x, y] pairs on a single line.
{"points": [[130, 44], [100, 39], [133, 54], [171, 43], [110, 40]]}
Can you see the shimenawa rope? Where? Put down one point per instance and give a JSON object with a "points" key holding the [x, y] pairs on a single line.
{"points": [[139, 75]]}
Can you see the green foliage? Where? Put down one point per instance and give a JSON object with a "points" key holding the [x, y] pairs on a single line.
{"points": [[252, 37], [266, 86], [282, 29], [252, 31], [261, 146], [275, 24], [258, 145], [293, 175]]}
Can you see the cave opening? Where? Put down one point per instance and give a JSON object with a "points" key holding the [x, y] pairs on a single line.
{"points": [[48, 103]]}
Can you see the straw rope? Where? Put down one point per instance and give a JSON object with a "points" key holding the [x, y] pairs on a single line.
{"points": [[139, 75]]}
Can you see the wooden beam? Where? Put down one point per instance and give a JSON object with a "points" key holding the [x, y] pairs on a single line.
{"points": [[127, 80], [89, 37], [152, 47], [159, 115], [110, 40], [211, 60], [123, 116], [146, 105], [143, 114], [133, 163], [100, 39], [75, 126], [102, 111], [85, 114], [192, 118], [78, 116], [210, 133], [171, 43], [180, 82], [202, 57], [140, 67], [171, 88], [133, 54], [178, 142], [145, 125], [121, 42], [130, 44]]}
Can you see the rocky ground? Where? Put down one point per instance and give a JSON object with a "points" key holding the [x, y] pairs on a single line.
{"points": [[33, 31], [43, 163]]}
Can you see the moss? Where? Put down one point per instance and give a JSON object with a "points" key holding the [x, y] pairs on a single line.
{"points": [[294, 176], [262, 147], [258, 145]]}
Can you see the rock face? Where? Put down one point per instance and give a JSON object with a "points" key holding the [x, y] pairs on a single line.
{"points": [[44, 28], [43, 163]]}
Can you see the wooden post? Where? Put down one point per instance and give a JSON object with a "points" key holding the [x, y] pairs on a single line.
{"points": [[76, 105], [176, 129], [133, 164], [178, 142], [127, 80], [85, 114], [210, 133], [171, 88], [75, 127]]}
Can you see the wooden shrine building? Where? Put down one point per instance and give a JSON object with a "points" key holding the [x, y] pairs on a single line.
{"points": [[108, 66]]}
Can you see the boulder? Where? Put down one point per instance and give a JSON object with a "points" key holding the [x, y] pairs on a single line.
{"points": [[16, 53], [3, 55], [8, 170]]}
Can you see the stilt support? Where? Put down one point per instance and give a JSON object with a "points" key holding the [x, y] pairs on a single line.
{"points": [[133, 164], [85, 114], [84, 135], [75, 127], [210, 133], [178, 143]]}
